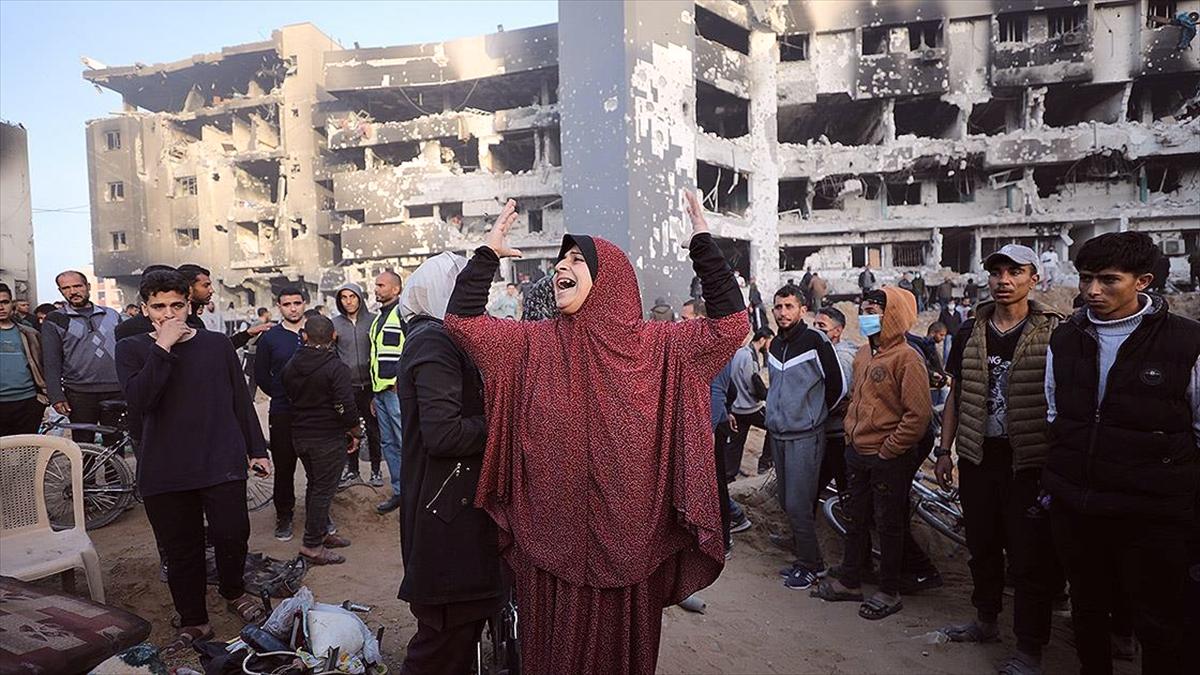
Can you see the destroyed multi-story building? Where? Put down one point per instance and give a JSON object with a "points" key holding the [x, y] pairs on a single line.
{"points": [[17, 266], [830, 135]]}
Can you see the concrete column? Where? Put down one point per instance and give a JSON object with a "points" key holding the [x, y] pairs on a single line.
{"points": [[763, 212], [628, 132]]}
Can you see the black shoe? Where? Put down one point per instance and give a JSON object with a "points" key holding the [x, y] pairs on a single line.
{"points": [[390, 505], [283, 529], [916, 583], [741, 525], [800, 579], [786, 572]]}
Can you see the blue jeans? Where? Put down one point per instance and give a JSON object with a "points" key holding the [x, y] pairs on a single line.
{"points": [[387, 411]]}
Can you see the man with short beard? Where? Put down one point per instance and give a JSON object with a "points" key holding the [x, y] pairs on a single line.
{"points": [[78, 347], [353, 344], [387, 343], [996, 418]]}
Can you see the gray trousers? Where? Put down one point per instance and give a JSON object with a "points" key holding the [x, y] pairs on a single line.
{"points": [[797, 470]]}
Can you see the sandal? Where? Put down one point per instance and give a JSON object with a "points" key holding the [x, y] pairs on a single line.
{"points": [[876, 608], [326, 558], [972, 632], [186, 637], [247, 609], [334, 541], [825, 591]]}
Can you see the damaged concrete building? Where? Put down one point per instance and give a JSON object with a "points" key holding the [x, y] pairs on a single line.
{"points": [[906, 135]]}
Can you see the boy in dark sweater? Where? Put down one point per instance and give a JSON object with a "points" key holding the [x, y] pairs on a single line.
{"points": [[199, 432], [317, 384]]}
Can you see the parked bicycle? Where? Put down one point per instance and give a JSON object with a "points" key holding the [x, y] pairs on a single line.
{"points": [[109, 483]]}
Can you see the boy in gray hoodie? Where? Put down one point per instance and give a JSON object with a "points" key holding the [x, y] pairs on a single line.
{"points": [[353, 345]]}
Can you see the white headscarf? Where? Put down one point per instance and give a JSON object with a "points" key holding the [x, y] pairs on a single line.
{"points": [[428, 290]]}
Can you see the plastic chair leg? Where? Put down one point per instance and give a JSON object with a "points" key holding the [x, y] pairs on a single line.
{"points": [[91, 565]]}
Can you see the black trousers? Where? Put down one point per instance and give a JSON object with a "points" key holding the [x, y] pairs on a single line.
{"points": [[362, 399], [283, 458], [323, 461], [720, 442], [85, 409], [833, 464], [737, 443], [1003, 516], [177, 519], [1148, 558], [21, 417], [444, 643], [879, 488]]}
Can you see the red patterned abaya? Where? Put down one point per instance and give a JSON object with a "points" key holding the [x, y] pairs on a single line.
{"points": [[599, 468]]}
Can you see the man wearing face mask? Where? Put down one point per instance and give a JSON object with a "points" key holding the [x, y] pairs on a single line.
{"points": [[889, 415], [806, 383]]}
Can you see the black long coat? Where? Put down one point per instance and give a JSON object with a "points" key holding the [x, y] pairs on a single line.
{"points": [[449, 546]]}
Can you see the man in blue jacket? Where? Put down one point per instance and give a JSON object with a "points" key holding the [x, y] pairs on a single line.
{"points": [[275, 348]]}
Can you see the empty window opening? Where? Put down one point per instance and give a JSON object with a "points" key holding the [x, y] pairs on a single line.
{"points": [[1069, 104], [909, 253], [118, 241], [1162, 178], [450, 212], [1066, 20], [247, 239], [535, 220], [994, 116], [955, 189], [420, 211], [1014, 27], [863, 253], [721, 113], [926, 118], [461, 155], [112, 140], [793, 196], [722, 31], [187, 236], [115, 192], [793, 258], [793, 47], [1050, 179], [957, 246], [875, 40], [392, 154], [1163, 9], [1155, 98], [185, 186], [832, 119], [924, 35], [830, 192], [515, 153], [907, 193], [724, 190]]}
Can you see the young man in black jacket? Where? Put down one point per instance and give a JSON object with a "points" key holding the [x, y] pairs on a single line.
{"points": [[1123, 473], [324, 428], [451, 562]]}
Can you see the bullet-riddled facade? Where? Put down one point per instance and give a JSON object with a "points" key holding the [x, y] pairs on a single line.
{"points": [[826, 135]]}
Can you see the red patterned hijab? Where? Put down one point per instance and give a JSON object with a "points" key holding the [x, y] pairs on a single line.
{"points": [[600, 463]]}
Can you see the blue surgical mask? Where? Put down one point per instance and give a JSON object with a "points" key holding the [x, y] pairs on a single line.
{"points": [[870, 324]]}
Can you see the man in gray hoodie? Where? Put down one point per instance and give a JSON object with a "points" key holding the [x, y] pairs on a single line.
{"points": [[353, 344]]}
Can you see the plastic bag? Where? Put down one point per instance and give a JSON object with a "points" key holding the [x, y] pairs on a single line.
{"points": [[280, 622], [370, 648]]}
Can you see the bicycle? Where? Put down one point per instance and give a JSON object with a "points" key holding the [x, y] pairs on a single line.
{"points": [[109, 484]]}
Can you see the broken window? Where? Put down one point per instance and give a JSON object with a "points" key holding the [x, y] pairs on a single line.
{"points": [[832, 119], [957, 246], [875, 40], [185, 186], [863, 253], [460, 154], [1067, 20], [1014, 27], [900, 194], [516, 152], [993, 116], [112, 140], [392, 154], [725, 190], [535, 220], [792, 258], [1050, 178], [1070, 104], [1164, 9], [909, 253], [793, 47], [118, 241], [924, 35], [793, 196], [1154, 98], [955, 189], [420, 211], [115, 192], [830, 192], [1162, 178], [721, 113], [187, 236], [722, 31], [926, 118]]}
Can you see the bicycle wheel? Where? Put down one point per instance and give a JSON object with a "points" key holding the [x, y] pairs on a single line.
{"points": [[944, 517], [260, 491], [835, 512], [108, 487]]}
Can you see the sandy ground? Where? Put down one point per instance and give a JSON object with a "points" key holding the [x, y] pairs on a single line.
{"points": [[752, 623]]}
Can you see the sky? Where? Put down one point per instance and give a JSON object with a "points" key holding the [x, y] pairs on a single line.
{"points": [[41, 86]]}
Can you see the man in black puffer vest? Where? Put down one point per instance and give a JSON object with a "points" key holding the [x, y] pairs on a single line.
{"points": [[1124, 466]]}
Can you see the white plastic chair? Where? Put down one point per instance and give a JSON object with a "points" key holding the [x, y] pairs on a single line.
{"points": [[29, 548]]}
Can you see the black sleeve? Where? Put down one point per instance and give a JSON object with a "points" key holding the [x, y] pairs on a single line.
{"points": [[954, 361], [471, 289], [243, 407], [722, 296], [831, 369], [438, 376], [240, 339], [343, 396]]}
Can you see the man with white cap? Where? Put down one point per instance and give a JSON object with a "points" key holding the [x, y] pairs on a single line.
{"points": [[996, 419]]}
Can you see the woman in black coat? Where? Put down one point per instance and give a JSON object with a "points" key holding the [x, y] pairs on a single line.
{"points": [[452, 578]]}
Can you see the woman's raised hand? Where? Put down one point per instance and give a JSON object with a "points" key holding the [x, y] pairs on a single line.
{"points": [[497, 237], [695, 213]]}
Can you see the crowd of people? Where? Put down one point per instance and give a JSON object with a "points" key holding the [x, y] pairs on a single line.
{"points": [[507, 433]]}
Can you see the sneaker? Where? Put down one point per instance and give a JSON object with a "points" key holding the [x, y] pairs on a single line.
{"points": [[376, 479], [283, 529], [348, 478], [786, 572], [800, 579], [162, 572], [390, 505], [741, 525], [916, 583]]}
